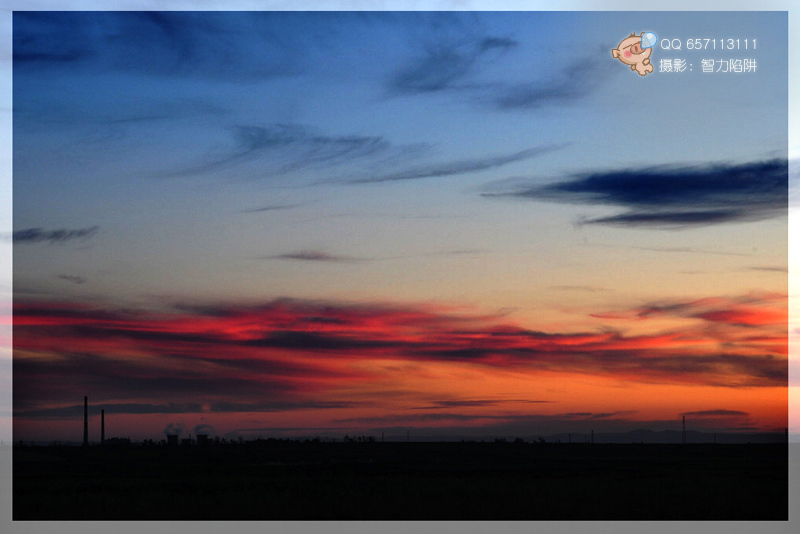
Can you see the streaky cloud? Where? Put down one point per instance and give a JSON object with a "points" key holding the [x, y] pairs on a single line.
{"points": [[692, 250], [475, 403], [754, 310], [447, 65], [271, 207], [312, 256], [211, 45], [454, 168], [38, 235], [288, 147], [770, 269], [667, 219], [581, 77]]}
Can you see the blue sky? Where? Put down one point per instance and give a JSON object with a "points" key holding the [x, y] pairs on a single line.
{"points": [[404, 116]]}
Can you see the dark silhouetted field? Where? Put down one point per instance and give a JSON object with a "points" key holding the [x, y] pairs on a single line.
{"points": [[280, 480]]}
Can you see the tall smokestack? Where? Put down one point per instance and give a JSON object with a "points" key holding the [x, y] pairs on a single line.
{"points": [[683, 432], [86, 421], [102, 426]]}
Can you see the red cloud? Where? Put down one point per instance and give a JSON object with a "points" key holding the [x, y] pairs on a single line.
{"points": [[758, 309], [289, 352], [747, 316]]}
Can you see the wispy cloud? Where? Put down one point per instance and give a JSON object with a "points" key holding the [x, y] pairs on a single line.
{"points": [[453, 168], [454, 63], [38, 235], [448, 65], [287, 147], [230, 45], [674, 196], [579, 78], [770, 269], [691, 250], [271, 207], [311, 255]]}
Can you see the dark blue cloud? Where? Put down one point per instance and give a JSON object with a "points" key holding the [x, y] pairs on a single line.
{"points": [[231, 45], [674, 196], [669, 218]]}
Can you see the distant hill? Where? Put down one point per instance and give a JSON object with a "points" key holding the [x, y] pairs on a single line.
{"points": [[633, 436], [672, 436]]}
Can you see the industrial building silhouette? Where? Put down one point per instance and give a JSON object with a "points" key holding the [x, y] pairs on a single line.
{"points": [[103, 440]]}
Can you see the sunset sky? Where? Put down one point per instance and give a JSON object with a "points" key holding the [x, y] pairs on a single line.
{"points": [[462, 224]]}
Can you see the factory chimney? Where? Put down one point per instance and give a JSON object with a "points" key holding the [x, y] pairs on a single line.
{"points": [[102, 426], [85, 421], [683, 433]]}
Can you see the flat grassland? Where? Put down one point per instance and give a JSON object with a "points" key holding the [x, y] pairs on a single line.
{"points": [[282, 480]]}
